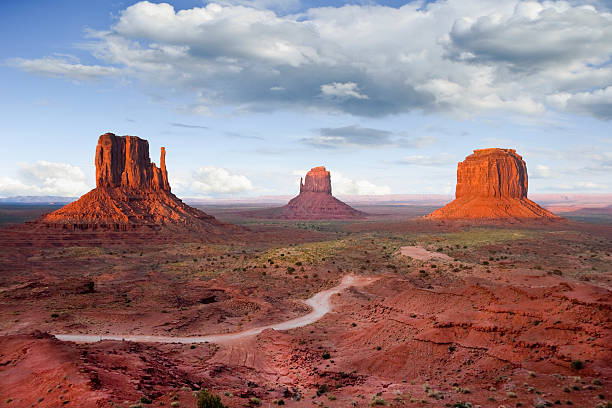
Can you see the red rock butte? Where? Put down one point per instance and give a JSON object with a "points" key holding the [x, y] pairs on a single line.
{"points": [[130, 192], [492, 184], [315, 200]]}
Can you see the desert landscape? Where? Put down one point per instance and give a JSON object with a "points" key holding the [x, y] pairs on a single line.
{"points": [[337, 203], [128, 297]]}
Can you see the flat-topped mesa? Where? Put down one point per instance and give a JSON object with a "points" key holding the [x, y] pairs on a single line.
{"points": [[318, 180], [492, 184], [123, 161]]}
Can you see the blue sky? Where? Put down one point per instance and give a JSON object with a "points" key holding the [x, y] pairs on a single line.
{"points": [[248, 95]]}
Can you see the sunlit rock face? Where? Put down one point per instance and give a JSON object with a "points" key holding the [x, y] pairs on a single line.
{"points": [[492, 184], [131, 192]]}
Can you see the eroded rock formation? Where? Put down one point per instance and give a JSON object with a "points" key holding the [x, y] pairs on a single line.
{"points": [[491, 184], [131, 192], [318, 180], [315, 200]]}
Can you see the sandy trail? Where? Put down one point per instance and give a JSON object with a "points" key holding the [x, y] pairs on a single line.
{"points": [[320, 304], [420, 253]]}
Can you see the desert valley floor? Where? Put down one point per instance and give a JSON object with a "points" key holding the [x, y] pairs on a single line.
{"points": [[441, 313]]}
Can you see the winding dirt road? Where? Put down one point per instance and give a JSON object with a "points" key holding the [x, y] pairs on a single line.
{"points": [[320, 304]]}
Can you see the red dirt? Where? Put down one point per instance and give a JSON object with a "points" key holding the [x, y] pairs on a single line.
{"points": [[503, 321]]}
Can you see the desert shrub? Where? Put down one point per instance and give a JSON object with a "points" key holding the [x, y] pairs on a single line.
{"points": [[290, 270], [255, 400], [376, 400], [461, 404], [577, 364], [208, 400], [326, 356], [145, 400]]}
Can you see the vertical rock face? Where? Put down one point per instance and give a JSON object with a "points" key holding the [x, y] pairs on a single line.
{"points": [[123, 161], [492, 173], [131, 192], [491, 184], [315, 200], [318, 180]]}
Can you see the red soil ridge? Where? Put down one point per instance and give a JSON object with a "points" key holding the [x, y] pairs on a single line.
{"points": [[131, 193], [315, 200], [492, 184]]}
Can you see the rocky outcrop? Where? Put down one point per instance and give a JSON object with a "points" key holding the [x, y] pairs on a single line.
{"points": [[315, 200], [123, 161], [131, 192], [492, 184], [318, 180]]}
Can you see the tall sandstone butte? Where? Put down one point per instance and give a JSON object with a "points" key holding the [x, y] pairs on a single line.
{"points": [[315, 200], [131, 192], [492, 184]]}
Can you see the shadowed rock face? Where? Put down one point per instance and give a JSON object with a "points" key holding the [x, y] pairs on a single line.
{"points": [[315, 200], [131, 192], [491, 184]]}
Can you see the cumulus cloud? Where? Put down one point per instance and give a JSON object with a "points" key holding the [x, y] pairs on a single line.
{"points": [[464, 57], [45, 178], [596, 103], [217, 180], [345, 185]]}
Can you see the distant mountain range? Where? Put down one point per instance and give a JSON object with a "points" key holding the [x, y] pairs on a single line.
{"points": [[556, 202], [37, 200]]}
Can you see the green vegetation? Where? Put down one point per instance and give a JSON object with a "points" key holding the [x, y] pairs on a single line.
{"points": [[376, 400], [206, 399], [577, 364]]}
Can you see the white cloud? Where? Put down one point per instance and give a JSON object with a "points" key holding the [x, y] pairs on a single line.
{"points": [[420, 160], [597, 103], [465, 57], [542, 171], [45, 178], [63, 67], [342, 90], [217, 180]]}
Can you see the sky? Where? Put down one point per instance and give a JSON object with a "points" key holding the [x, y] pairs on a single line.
{"points": [[247, 95]]}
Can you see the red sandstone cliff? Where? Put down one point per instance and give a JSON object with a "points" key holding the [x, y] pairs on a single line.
{"points": [[315, 200], [491, 184], [130, 192]]}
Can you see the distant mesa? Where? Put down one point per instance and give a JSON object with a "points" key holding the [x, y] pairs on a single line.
{"points": [[315, 200], [131, 192], [492, 184]]}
